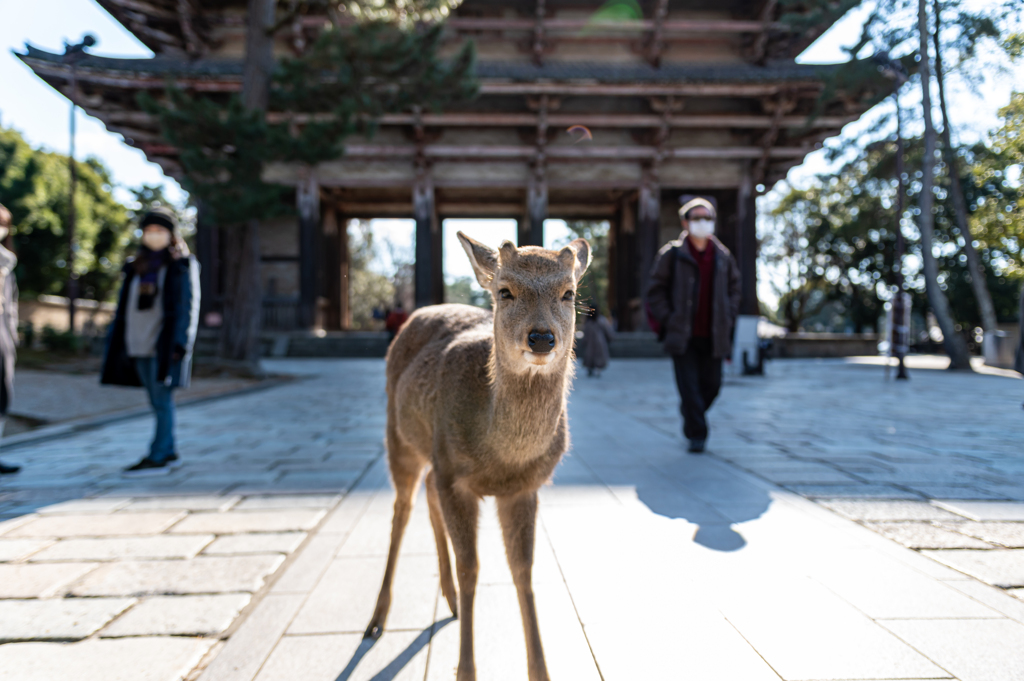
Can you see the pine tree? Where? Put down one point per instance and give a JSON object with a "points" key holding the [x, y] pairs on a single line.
{"points": [[341, 86]]}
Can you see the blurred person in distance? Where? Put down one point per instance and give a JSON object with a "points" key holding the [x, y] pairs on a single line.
{"points": [[597, 335], [8, 325], [154, 330], [394, 320]]}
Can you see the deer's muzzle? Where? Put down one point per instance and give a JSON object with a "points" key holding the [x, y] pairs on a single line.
{"points": [[541, 341]]}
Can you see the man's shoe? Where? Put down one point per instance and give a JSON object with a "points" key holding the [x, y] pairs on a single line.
{"points": [[146, 466], [696, 446], [8, 470]]}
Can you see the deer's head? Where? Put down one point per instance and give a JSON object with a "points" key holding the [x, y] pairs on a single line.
{"points": [[534, 293]]}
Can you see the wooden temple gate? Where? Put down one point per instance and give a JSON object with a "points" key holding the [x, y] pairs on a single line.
{"points": [[700, 97]]}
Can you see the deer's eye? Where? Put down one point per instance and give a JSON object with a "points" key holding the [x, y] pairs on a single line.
{"points": [[569, 295], [505, 294]]}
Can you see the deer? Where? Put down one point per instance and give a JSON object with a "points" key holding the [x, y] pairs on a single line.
{"points": [[477, 398]]}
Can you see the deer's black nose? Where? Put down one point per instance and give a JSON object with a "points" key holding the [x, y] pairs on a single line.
{"points": [[541, 341]]}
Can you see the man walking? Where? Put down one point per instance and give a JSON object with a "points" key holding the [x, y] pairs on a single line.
{"points": [[694, 296]]}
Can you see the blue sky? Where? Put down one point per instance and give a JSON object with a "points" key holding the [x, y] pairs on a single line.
{"points": [[32, 107]]}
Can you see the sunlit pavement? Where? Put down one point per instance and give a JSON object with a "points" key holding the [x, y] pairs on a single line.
{"points": [[840, 527]]}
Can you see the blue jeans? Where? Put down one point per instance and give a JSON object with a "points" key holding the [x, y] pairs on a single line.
{"points": [[163, 406]]}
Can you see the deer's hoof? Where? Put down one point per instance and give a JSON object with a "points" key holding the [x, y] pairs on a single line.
{"points": [[373, 632]]}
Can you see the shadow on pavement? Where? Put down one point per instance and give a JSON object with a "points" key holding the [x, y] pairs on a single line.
{"points": [[391, 671]]}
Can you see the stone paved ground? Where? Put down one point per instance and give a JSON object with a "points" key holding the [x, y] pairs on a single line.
{"points": [[781, 555]]}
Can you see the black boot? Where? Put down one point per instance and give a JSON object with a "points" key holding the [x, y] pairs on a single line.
{"points": [[8, 470]]}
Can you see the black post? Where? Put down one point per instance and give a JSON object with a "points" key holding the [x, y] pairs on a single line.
{"points": [[72, 279], [648, 226], [308, 200], [900, 333]]}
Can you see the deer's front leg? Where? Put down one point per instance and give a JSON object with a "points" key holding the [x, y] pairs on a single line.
{"points": [[461, 509], [518, 516]]}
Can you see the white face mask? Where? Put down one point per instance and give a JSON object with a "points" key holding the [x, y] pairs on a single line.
{"points": [[156, 239], [702, 229]]}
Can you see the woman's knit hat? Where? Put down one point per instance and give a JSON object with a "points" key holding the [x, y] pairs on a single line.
{"points": [[160, 216]]}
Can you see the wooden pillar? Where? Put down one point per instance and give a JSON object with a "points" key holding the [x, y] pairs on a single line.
{"points": [[531, 229], [648, 226], [429, 273], [622, 266], [344, 274], [746, 243], [334, 268], [307, 198]]}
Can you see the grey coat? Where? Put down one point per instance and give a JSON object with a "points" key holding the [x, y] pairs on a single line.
{"points": [[8, 327], [597, 333], [672, 296]]}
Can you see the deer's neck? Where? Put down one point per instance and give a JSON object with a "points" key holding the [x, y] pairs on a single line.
{"points": [[527, 410]]}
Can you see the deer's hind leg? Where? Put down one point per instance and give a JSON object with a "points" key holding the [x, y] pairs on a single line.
{"points": [[406, 469], [518, 516], [441, 539]]}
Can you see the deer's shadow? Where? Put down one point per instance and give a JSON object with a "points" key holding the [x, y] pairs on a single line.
{"points": [[391, 671]]}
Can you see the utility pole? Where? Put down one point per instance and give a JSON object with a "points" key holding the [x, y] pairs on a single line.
{"points": [[72, 55]]}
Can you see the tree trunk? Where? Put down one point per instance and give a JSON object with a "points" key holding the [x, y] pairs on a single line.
{"points": [[978, 283], [956, 346], [243, 305]]}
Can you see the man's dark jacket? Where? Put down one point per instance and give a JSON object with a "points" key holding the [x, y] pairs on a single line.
{"points": [[180, 298], [673, 294]]}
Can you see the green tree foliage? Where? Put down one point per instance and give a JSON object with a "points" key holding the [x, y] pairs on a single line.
{"points": [[594, 286], [34, 187], [464, 290], [834, 241], [998, 203], [341, 86]]}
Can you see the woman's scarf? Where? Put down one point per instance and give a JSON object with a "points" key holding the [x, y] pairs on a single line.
{"points": [[147, 267]]}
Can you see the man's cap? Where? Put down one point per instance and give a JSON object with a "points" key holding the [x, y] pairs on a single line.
{"points": [[164, 217], [690, 202]]}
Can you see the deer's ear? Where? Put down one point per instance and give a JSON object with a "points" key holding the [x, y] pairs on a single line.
{"points": [[483, 259], [577, 254]]}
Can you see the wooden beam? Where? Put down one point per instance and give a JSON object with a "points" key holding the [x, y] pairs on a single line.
{"points": [[142, 7], [493, 87], [696, 26], [564, 153]]}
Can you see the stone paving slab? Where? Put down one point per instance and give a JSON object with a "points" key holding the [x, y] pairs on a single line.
{"points": [[178, 616], [1008, 535], [276, 542], [249, 521], [1003, 568], [971, 650], [203, 575], [986, 510], [927, 536], [90, 525], [133, 659], [122, 548], [57, 618], [39, 581], [13, 549]]}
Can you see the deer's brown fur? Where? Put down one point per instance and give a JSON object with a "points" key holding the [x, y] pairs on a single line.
{"points": [[470, 400]]}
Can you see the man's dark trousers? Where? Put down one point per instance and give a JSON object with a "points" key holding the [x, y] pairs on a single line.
{"points": [[699, 378]]}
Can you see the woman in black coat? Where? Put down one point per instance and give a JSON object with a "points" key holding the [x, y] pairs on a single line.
{"points": [[154, 330]]}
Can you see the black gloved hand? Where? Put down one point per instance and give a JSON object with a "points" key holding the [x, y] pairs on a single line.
{"points": [[179, 353]]}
